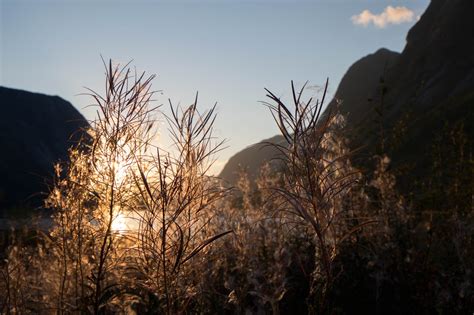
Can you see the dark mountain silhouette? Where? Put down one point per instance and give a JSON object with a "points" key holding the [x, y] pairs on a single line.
{"points": [[423, 110], [359, 84], [437, 63], [36, 131], [356, 86], [410, 105], [250, 160]]}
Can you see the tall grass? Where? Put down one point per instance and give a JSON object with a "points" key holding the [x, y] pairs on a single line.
{"points": [[312, 235], [95, 267], [317, 176]]}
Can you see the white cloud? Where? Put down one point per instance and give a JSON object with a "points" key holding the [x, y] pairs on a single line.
{"points": [[391, 15]]}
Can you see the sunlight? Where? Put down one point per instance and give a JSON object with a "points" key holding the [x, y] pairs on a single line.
{"points": [[122, 161], [121, 224], [121, 170]]}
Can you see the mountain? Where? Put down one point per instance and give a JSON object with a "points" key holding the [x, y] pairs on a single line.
{"points": [[250, 160], [359, 84], [416, 106], [36, 131], [438, 61], [356, 86], [426, 107]]}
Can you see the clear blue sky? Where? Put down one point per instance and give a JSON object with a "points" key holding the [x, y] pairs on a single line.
{"points": [[227, 50]]}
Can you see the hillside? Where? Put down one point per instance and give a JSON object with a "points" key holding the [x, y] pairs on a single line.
{"points": [[356, 86], [426, 110], [36, 131], [405, 105]]}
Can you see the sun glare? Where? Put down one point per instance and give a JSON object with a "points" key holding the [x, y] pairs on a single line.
{"points": [[121, 170], [120, 223], [125, 223]]}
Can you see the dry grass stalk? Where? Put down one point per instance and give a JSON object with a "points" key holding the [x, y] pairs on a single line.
{"points": [[317, 174]]}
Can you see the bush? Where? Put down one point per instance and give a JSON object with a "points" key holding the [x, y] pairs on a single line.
{"points": [[139, 229]]}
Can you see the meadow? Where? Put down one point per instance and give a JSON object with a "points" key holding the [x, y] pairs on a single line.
{"points": [[140, 229]]}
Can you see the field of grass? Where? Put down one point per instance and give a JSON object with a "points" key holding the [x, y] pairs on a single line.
{"points": [[138, 229]]}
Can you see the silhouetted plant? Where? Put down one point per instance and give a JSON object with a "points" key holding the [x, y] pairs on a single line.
{"points": [[174, 205], [95, 263], [139, 229], [317, 174]]}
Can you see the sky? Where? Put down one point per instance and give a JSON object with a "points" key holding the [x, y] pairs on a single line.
{"points": [[228, 51]]}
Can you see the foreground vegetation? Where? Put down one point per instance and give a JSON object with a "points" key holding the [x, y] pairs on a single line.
{"points": [[316, 236]]}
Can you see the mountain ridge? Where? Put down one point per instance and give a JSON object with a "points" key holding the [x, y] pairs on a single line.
{"points": [[367, 71], [36, 131], [419, 96]]}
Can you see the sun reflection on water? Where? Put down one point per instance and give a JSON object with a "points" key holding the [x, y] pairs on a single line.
{"points": [[124, 223]]}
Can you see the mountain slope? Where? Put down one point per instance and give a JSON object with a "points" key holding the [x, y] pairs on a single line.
{"points": [[36, 131], [356, 86], [429, 94], [360, 82], [421, 112], [250, 160]]}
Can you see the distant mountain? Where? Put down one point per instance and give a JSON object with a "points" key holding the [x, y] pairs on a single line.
{"points": [[36, 131], [360, 83], [438, 60], [410, 105], [250, 160], [356, 86], [428, 97]]}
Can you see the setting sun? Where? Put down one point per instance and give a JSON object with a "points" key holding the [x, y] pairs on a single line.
{"points": [[125, 223], [237, 157]]}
